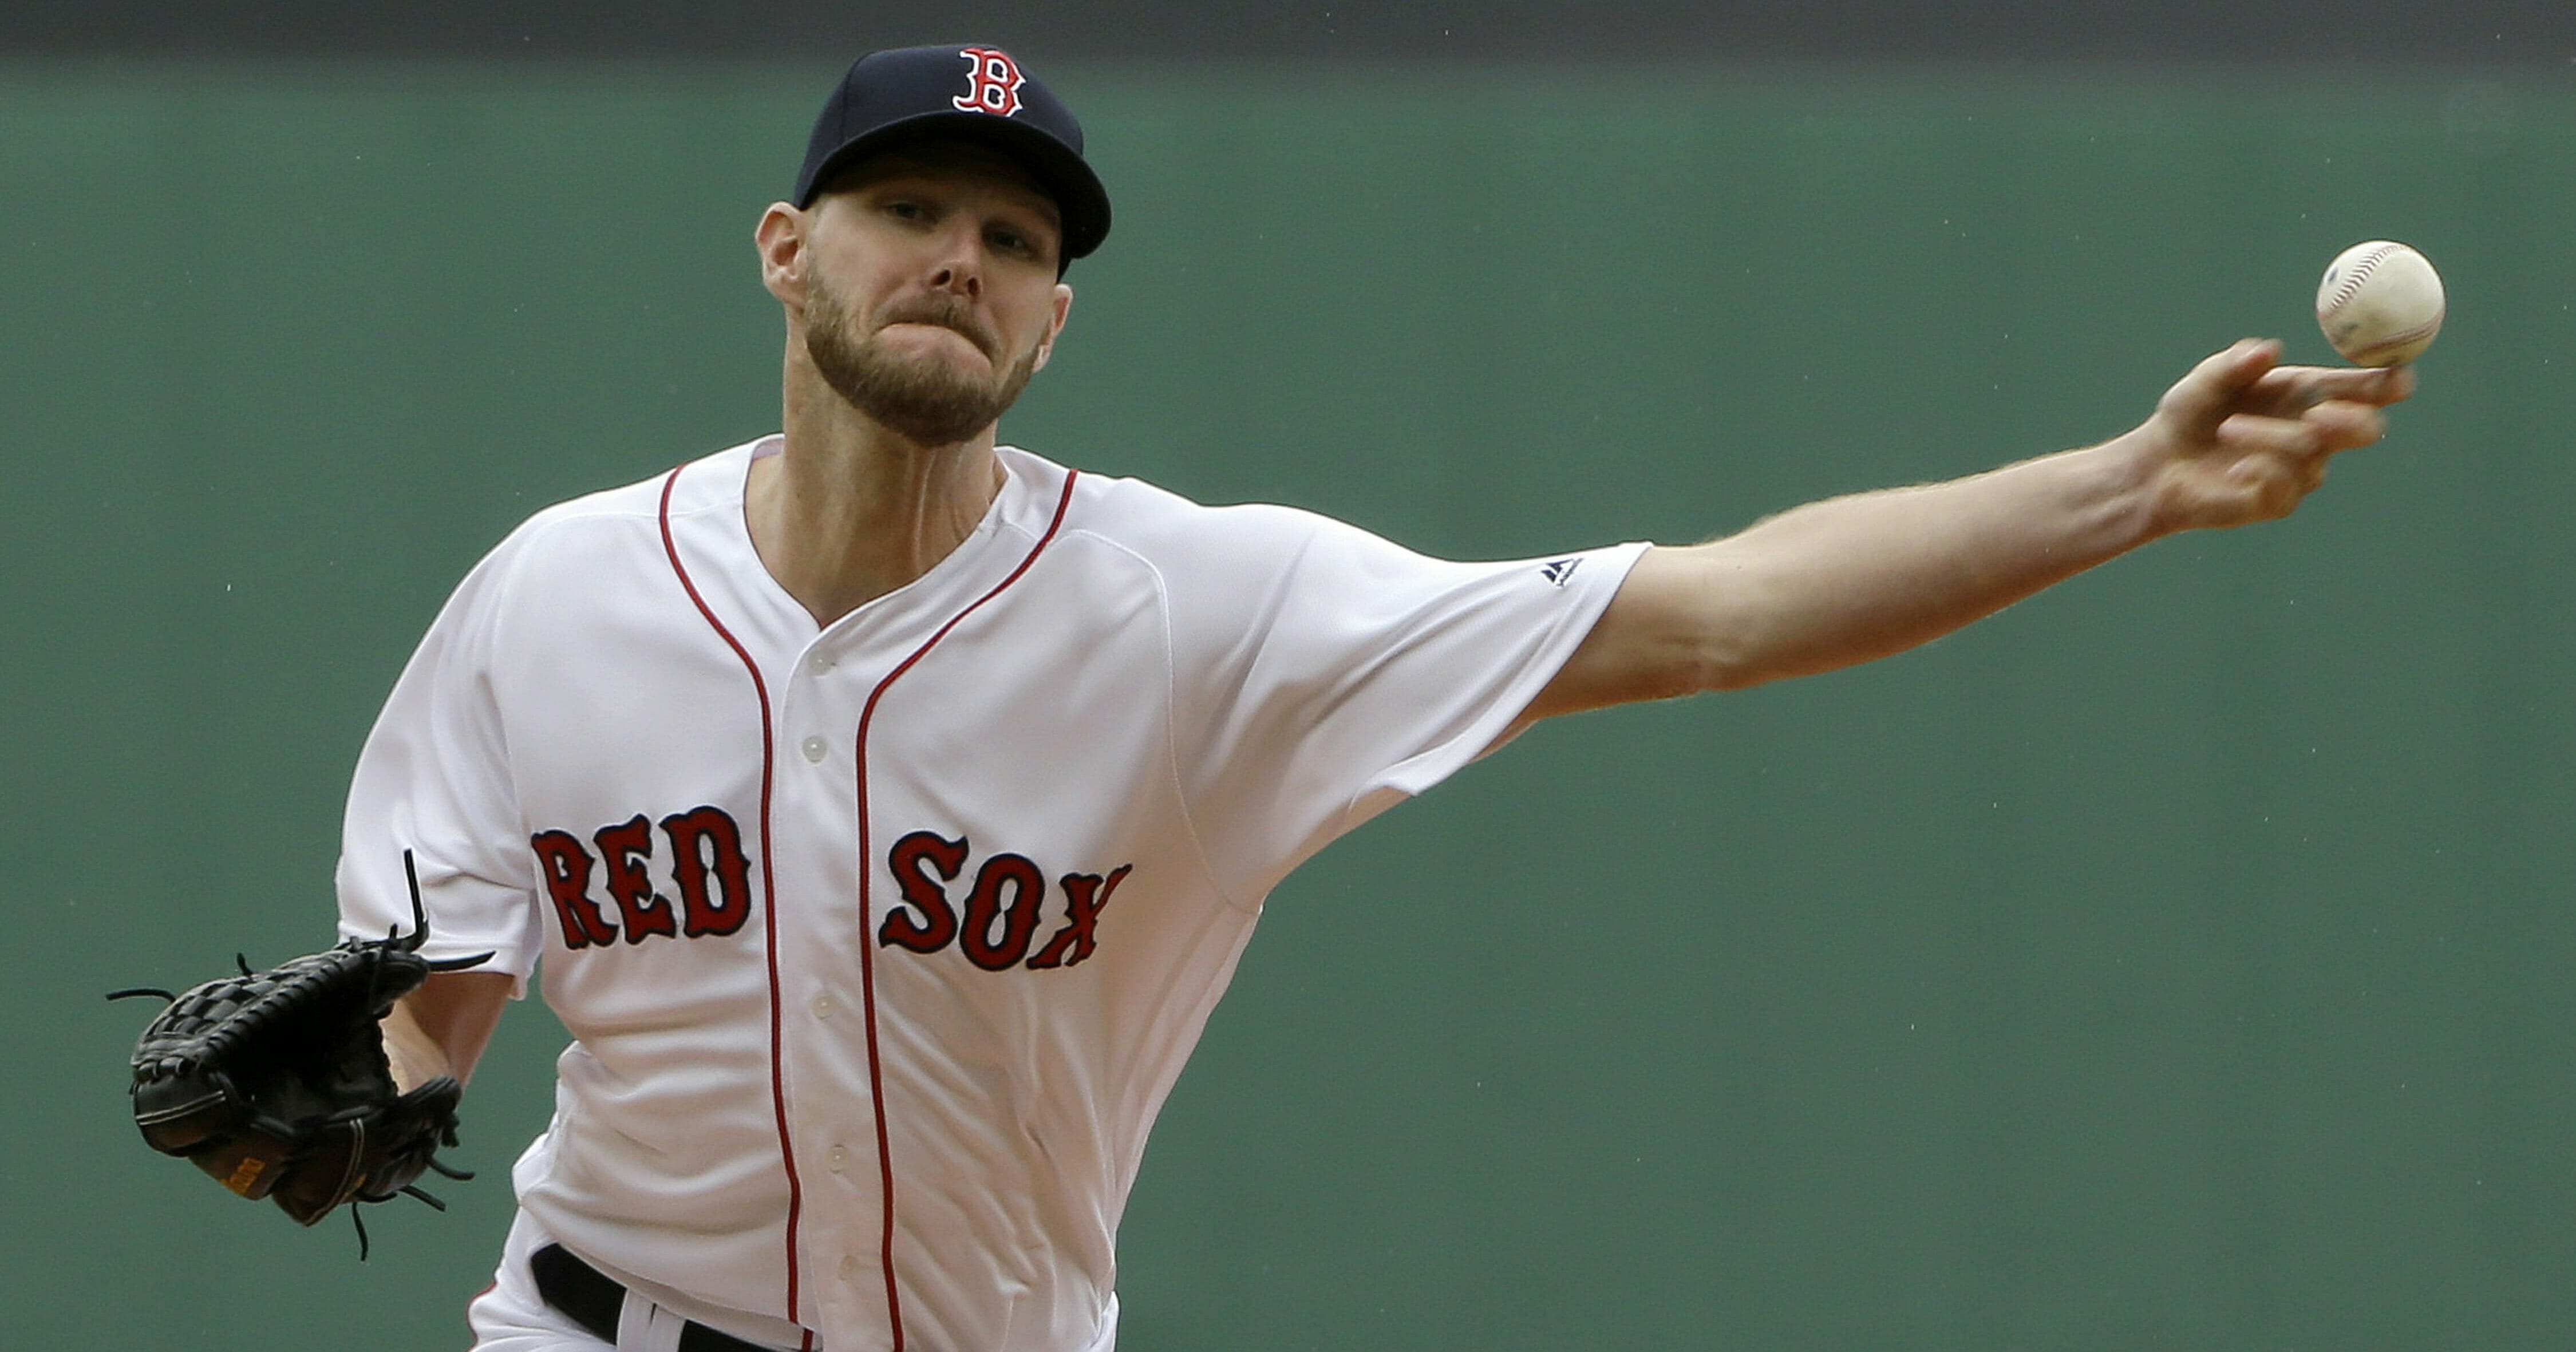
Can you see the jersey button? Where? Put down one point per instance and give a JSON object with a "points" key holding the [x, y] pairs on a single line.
{"points": [[814, 749], [838, 1157], [822, 1006], [818, 663]]}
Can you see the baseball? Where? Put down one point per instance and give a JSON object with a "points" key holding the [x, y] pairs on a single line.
{"points": [[2380, 303]]}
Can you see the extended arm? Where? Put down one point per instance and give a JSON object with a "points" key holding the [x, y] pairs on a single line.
{"points": [[2240, 439], [442, 1027]]}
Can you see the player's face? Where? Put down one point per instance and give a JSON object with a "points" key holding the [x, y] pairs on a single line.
{"points": [[931, 294]]}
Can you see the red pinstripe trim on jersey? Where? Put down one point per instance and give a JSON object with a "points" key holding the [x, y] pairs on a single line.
{"points": [[768, 892], [488, 1288], [867, 873]]}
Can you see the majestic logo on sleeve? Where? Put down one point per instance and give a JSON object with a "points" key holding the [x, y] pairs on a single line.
{"points": [[701, 854], [998, 922], [993, 86]]}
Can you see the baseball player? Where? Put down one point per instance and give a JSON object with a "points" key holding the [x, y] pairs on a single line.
{"points": [[883, 809]]}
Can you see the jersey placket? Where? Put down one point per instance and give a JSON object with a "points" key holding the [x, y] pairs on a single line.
{"points": [[831, 1076], [838, 683]]}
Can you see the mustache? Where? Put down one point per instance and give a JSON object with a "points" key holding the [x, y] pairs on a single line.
{"points": [[955, 316]]}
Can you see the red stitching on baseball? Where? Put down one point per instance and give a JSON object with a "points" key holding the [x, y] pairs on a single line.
{"points": [[2361, 269], [2398, 340]]}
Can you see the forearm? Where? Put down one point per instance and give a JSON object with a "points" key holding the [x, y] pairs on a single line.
{"points": [[1850, 579], [2238, 439], [443, 1027]]}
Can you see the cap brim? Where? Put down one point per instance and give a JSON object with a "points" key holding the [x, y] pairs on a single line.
{"points": [[1082, 204]]}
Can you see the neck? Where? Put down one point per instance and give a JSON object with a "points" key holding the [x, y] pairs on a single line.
{"points": [[852, 510]]}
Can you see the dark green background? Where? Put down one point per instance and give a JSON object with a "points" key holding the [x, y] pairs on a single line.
{"points": [[2178, 960]]}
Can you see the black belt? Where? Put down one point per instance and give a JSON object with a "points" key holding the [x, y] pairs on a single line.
{"points": [[593, 1300]]}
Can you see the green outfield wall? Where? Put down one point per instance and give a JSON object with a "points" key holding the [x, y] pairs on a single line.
{"points": [[2180, 959]]}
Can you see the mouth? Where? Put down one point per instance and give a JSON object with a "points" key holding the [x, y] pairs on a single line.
{"points": [[945, 323]]}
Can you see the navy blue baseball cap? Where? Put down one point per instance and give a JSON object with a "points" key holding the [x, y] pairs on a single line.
{"points": [[972, 91]]}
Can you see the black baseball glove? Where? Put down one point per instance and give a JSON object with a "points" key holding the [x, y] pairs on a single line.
{"points": [[276, 1082]]}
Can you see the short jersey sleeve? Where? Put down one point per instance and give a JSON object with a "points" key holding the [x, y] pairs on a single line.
{"points": [[434, 779], [1339, 673]]}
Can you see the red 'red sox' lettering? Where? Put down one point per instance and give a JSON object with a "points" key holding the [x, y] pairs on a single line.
{"points": [[707, 841], [707, 867], [1018, 919], [565, 866], [936, 926], [1003, 908], [1084, 895], [626, 848]]}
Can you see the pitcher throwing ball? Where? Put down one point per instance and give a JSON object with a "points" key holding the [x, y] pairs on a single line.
{"points": [[884, 809]]}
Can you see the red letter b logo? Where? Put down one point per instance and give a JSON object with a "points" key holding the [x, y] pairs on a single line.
{"points": [[993, 86]]}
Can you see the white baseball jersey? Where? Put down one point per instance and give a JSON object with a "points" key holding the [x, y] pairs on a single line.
{"points": [[882, 943]]}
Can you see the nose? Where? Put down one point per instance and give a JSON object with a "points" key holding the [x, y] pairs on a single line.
{"points": [[961, 264]]}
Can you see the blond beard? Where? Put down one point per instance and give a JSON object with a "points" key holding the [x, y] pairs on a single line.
{"points": [[928, 401]]}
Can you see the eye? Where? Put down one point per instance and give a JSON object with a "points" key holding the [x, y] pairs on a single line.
{"points": [[1021, 240], [905, 210]]}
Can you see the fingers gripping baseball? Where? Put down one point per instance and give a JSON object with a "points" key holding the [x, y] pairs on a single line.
{"points": [[2243, 439]]}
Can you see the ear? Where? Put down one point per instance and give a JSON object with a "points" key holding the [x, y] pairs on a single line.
{"points": [[780, 238], [1063, 308]]}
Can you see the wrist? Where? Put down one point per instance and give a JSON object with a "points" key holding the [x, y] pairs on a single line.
{"points": [[2138, 506], [412, 1057]]}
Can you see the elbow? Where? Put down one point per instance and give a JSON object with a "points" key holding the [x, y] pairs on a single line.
{"points": [[1689, 621], [1699, 659], [1726, 640], [1723, 662]]}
